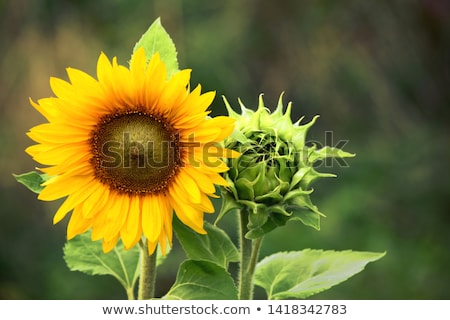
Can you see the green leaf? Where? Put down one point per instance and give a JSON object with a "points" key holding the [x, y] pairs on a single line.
{"points": [[328, 152], [156, 39], [215, 246], [202, 280], [308, 218], [160, 258], [83, 254], [228, 202], [300, 274], [32, 180]]}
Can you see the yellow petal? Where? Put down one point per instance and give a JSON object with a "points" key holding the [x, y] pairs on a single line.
{"points": [[167, 216], [125, 93], [152, 212], [195, 103], [109, 245], [202, 180], [163, 244], [151, 247], [81, 79], [206, 204], [116, 216], [206, 161], [72, 167], [189, 186], [53, 155], [130, 232], [190, 216], [60, 87], [155, 80], [188, 122], [215, 129], [175, 91], [104, 69], [95, 202], [99, 223], [218, 179], [61, 186], [138, 67], [73, 200], [46, 108], [55, 133], [77, 223]]}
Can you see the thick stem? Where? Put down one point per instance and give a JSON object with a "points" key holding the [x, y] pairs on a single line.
{"points": [[148, 273], [249, 257]]}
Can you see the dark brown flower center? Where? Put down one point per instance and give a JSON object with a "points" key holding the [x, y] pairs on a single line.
{"points": [[135, 152]]}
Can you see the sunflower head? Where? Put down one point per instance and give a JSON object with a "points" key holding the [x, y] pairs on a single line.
{"points": [[272, 178], [128, 149]]}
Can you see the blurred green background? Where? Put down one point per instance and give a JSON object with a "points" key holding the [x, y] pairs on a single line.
{"points": [[376, 71]]}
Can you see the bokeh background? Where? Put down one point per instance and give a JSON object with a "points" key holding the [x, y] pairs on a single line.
{"points": [[377, 72]]}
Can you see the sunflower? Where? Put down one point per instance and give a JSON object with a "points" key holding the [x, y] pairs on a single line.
{"points": [[129, 149]]}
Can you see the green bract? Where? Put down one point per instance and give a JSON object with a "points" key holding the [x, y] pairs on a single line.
{"points": [[272, 178]]}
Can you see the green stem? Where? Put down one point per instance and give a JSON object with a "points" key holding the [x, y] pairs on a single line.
{"points": [[249, 257], [148, 273], [130, 293]]}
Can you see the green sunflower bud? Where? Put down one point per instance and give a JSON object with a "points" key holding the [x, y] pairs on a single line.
{"points": [[271, 179]]}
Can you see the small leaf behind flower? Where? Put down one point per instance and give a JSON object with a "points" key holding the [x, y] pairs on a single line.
{"points": [[202, 280], [32, 180], [156, 39], [83, 254], [215, 246], [300, 274]]}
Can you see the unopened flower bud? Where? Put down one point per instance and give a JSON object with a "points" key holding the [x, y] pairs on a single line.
{"points": [[272, 178]]}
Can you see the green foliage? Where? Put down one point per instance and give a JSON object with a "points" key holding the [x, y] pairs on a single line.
{"points": [[83, 254], [32, 180], [202, 280], [156, 39], [308, 218], [215, 246], [300, 274]]}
